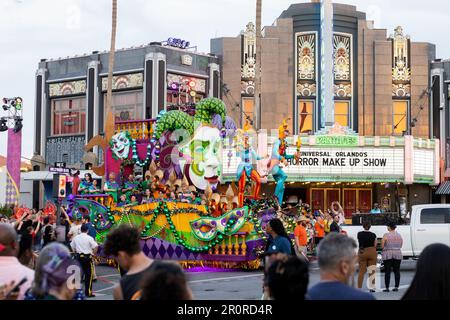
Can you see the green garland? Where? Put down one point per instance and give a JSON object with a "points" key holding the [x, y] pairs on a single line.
{"points": [[135, 156], [162, 208]]}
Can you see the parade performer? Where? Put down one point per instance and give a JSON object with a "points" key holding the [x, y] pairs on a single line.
{"points": [[112, 187], [279, 156], [86, 185], [131, 187], [147, 182], [157, 186], [245, 168]]}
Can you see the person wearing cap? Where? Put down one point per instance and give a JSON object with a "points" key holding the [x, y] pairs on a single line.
{"points": [[111, 187], [301, 237], [52, 276], [84, 248]]}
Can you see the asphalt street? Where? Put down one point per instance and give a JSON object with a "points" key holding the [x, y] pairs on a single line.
{"points": [[244, 285]]}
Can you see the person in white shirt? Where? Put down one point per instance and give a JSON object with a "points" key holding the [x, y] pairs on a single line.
{"points": [[10, 268], [84, 247], [75, 229]]}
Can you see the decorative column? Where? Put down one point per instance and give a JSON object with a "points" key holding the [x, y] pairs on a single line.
{"points": [[13, 167], [155, 87], [214, 80], [41, 113], [92, 103], [326, 64]]}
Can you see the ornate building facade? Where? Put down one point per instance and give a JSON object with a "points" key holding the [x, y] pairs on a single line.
{"points": [[380, 92], [379, 80]]}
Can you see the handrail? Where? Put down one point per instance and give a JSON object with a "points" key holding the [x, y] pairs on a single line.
{"points": [[138, 129]]}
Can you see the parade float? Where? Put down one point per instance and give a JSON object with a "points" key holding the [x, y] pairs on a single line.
{"points": [[186, 146]]}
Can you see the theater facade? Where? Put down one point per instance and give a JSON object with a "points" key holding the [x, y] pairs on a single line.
{"points": [[360, 103]]}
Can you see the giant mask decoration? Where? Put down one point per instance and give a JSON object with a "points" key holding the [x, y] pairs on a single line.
{"points": [[204, 152], [120, 145], [200, 142]]}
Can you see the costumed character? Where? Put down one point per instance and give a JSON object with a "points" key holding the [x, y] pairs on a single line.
{"points": [[199, 142], [130, 187], [235, 202], [147, 182], [245, 168], [157, 186], [214, 205], [147, 198], [278, 157], [111, 187], [94, 188], [223, 205], [86, 185]]}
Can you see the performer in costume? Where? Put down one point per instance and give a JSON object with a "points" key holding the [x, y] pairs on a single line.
{"points": [[112, 187], [131, 187], [157, 186], [147, 182], [245, 169], [86, 185], [279, 156]]}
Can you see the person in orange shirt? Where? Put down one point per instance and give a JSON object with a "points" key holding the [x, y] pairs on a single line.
{"points": [[319, 227], [301, 237]]}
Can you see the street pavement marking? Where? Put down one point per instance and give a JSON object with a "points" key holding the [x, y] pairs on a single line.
{"points": [[390, 290], [104, 289], [110, 275], [227, 278]]}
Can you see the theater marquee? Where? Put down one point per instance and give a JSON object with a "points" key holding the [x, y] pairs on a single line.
{"points": [[351, 159]]}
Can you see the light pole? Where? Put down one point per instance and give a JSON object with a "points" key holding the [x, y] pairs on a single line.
{"points": [[13, 124]]}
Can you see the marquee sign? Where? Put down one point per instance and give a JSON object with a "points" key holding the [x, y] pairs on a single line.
{"points": [[345, 141], [341, 163], [341, 158]]}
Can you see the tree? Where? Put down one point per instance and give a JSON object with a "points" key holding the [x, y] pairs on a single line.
{"points": [[258, 64], [112, 54]]}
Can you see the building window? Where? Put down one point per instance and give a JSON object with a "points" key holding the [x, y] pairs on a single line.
{"points": [[341, 113], [400, 117], [248, 108], [305, 120], [126, 105], [69, 116], [174, 97]]}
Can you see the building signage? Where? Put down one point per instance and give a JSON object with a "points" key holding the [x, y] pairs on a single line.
{"points": [[344, 141], [342, 159], [186, 60], [179, 43], [59, 170], [344, 162]]}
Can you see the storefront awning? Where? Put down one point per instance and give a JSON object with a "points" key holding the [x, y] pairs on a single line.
{"points": [[444, 188]]}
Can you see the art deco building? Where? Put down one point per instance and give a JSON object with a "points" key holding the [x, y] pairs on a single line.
{"points": [[380, 92]]}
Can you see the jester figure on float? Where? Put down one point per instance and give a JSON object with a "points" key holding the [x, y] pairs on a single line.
{"points": [[278, 158], [246, 168], [199, 141]]}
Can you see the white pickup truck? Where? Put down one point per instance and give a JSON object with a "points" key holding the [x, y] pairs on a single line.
{"points": [[429, 224]]}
